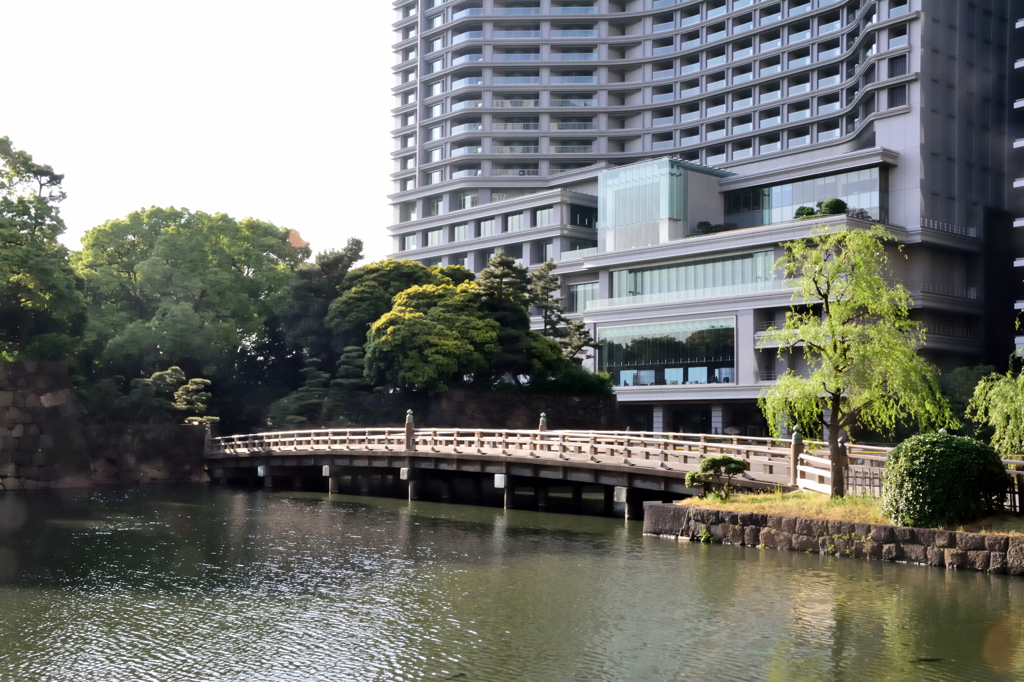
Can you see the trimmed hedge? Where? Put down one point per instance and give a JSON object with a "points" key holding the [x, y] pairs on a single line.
{"points": [[934, 480]]}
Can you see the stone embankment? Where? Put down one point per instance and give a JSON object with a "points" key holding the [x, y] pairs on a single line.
{"points": [[926, 546], [43, 445]]}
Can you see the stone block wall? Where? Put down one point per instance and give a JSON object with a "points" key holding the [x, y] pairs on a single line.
{"points": [[926, 546], [43, 444]]}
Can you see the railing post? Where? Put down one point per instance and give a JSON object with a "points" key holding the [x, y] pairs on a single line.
{"points": [[795, 448], [410, 431], [543, 426]]}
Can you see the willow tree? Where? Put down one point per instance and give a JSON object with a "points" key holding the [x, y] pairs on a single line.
{"points": [[860, 345], [998, 402]]}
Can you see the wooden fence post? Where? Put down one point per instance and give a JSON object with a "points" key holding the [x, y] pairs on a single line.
{"points": [[795, 449]]}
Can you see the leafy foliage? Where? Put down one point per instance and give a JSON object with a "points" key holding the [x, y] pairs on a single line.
{"points": [[432, 337], [367, 292], [715, 474], [42, 310], [164, 397], [832, 207], [310, 295], [305, 404], [194, 290], [958, 385], [998, 402], [804, 211], [861, 348], [933, 480]]}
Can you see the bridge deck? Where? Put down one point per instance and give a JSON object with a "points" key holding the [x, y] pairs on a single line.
{"points": [[652, 461]]}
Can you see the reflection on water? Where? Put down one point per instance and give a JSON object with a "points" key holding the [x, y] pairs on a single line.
{"points": [[197, 584]]}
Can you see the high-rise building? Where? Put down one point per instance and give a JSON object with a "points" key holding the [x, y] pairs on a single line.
{"points": [[659, 150]]}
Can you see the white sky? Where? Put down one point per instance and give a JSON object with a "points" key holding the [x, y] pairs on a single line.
{"points": [[275, 109]]}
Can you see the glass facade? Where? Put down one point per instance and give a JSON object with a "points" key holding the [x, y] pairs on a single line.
{"points": [[867, 189], [580, 295], [670, 353], [633, 201], [718, 277]]}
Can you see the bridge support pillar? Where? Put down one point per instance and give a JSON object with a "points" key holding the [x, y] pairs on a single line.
{"points": [[609, 499], [634, 504], [540, 493], [510, 494], [577, 495]]}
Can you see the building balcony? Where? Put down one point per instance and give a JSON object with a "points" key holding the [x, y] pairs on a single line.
{"points": [[573, 80], [574, 33], [514, 149], [572, 149], [515, 126], [515, 34], [574, 102], [515, 103], [515, 80]]}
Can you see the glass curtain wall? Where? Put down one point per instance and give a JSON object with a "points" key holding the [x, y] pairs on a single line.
{"points": [[719, 277], [752, 207], [580, 295], [670, 353], [633, 201]]}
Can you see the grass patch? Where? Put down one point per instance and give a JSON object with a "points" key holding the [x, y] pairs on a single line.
{"points": [[851, 508], [807, 505]]}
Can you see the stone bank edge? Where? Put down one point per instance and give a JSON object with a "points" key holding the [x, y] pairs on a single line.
{"points": [[925, 546]]}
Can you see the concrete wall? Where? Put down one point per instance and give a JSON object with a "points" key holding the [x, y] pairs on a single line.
{"points": [[43, 445]]}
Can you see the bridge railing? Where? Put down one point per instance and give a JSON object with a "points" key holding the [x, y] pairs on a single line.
{"points": [[767, 459]]}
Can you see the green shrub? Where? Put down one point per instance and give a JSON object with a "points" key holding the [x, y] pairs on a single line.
{"points": [[718, 469], [804, 211], [833, 207], [935, 480]]}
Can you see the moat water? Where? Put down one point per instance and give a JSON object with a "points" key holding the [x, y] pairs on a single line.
{"points": [[194, 583]]}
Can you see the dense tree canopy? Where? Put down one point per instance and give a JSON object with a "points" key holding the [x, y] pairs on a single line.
{"points": [[860, 345], [172, 286], [42, 310], [310, 294]]}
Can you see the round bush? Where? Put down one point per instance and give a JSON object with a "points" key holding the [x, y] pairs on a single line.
{"points": [[935, 480], [833, 207]]}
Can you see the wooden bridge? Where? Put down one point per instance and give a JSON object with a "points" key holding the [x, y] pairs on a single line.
{"points": [[630, 467]]}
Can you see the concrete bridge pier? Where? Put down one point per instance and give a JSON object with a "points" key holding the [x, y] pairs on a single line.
{"points": [[540, 494], [510, 494]]}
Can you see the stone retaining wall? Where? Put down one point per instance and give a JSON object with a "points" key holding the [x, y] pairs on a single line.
{"points": [[926, 546], [43, 445]]}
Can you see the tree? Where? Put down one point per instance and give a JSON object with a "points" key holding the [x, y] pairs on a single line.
{"points": [[804, 211], [367, 292], [544, 287], [310, 295], [195, 290], [998, 402], [433, 337], [958, 385], [720, 469], [861, 348], [305, 405], [42, 311]]}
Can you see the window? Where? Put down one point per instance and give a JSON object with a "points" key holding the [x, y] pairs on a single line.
{"points": [[580, 295], [408, 162], [686, 351], [435, 44], [435, 133], [433, 155], [434, 110], [487, 227], [408, 242], [434, 206], [435, 88], [467, 199], [434, 237], [514, 222], [461, 232], [435, 66], [898, 66], [544, 217], [433, 177], [898, 96]]}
